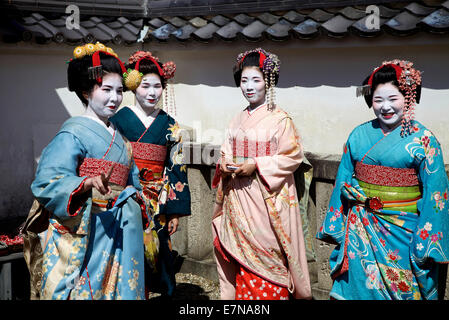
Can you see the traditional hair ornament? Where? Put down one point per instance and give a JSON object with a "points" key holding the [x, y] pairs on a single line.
{"points": [[96, 71], [133, 77], [409, 79], [269, 63], [90, 48]]}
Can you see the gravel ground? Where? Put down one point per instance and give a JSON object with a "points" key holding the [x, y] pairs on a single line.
{"points": [[193, 287]]}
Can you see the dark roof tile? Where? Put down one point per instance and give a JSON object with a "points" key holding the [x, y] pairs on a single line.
{"points": [[71, 35], [254, 31], [352, 13], [244, 19], [294, 17], [320, 15], [307, 29], [367, 27], [184, 33], [402, 24], [337, 26], [437, 21], [220, 20], [198, 22], [280, 30], [396, 18], [156, 23], [268, 18], [386, 12], [206, 32], [163, 33], [445, 4], [419, 9], [229, 31], [178, 22], [101, 31]]}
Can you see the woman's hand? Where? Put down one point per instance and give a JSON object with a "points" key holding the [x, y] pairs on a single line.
{"points": [[173, 222], [100, 182], [246, 169], [224, 169]]}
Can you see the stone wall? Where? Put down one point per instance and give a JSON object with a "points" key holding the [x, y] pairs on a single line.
{"points": [[194, 240]]}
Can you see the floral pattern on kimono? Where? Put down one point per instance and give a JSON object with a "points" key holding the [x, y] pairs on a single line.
{"points": [[388, 254], [256, 219], [163, 131], [89, 253], [165, 194]]}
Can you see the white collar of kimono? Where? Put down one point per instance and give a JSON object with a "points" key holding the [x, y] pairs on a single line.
{"points": [[147, 120], [251, 111], [111, 127]]}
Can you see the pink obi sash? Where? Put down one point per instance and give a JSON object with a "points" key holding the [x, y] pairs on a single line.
{"points": [[386, 176], [92, 167], [251, 149]]}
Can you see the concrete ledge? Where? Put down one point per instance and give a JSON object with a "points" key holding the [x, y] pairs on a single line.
{"points": [[206, 269]]}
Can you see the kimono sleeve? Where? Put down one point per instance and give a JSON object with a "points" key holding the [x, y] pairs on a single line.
{"points": [[431, 235], [332, 229], [274, 169], [178, 197], [57, 181], [133, 178]]}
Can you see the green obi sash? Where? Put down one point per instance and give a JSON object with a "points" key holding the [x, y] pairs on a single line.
{"points": [[394, 198]]}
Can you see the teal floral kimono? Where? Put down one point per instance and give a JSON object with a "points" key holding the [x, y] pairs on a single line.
{"points": [[388, 216], [157, 150], [93, 247]]}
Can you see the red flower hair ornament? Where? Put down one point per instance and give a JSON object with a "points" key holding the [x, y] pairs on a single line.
{"points": [[133, 77]]}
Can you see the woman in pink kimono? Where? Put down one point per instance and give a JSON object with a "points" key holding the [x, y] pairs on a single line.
{"points": [[258, 238]]}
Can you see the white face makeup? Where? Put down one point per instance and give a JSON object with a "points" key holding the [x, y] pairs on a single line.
{"points": [[105, 99], [388, 105], [252, 84], [149, 91]]}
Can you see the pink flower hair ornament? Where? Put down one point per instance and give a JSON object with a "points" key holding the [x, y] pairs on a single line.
{"points": [[133, 77]]}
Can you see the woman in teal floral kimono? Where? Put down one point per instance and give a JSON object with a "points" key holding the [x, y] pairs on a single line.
{"points": [[156, 142], [86, 178], [388, 213]]}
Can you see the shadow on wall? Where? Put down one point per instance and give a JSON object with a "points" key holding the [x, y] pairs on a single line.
{"points": [[311, 66]]}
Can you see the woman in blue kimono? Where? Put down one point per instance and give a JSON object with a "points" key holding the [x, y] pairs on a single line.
{"points": [[388, 213], [88, 181], [156, 142]]}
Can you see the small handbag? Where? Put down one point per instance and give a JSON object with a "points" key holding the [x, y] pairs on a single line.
{"points": [[36, 222]]}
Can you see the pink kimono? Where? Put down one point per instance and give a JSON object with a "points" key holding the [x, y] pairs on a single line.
{"points": [[257, 223]]}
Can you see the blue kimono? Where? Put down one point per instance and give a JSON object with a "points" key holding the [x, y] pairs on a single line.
{"points": [[388, 216], [157, 150], [93, 246]]}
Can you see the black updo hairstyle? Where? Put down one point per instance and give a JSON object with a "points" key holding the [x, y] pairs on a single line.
{"points": [[385, 75], [147, 66], [251, 60], [78, 75]]}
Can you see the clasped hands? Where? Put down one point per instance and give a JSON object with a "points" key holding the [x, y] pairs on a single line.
{"points": [[244, 169]]}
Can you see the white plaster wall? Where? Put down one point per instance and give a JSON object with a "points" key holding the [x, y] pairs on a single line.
{"points": [[316, 87]]}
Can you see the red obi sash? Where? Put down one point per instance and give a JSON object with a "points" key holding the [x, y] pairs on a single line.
{"points": [[251, 149], [92, 167], [150, 159], [386, 176]]}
